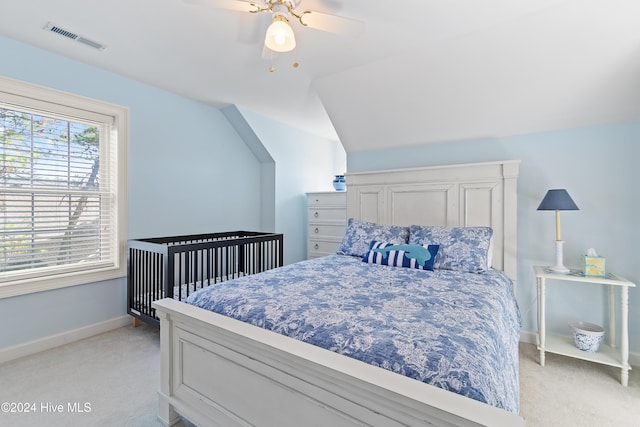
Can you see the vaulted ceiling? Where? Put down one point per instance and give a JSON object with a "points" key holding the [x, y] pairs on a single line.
{"points": [[423, 71]]}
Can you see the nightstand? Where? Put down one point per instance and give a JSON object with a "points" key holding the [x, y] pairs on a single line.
{"points": [[607, 354]]}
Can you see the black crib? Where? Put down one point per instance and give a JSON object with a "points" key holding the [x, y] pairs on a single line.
{"points": [[175, 267]]}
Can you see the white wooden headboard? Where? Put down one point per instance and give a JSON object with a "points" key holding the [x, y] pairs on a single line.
{"points": [[465, 195]]}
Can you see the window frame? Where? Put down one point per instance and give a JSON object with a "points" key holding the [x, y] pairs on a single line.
{"points": [[35, 97]]}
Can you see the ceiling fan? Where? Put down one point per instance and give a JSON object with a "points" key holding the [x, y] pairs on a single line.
{"points": [[279, 36]]}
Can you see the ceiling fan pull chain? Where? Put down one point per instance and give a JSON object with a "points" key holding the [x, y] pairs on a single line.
{"points": [[271, 68]]}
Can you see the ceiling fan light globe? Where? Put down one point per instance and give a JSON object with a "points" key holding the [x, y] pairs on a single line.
{"points": [[280, 37]]}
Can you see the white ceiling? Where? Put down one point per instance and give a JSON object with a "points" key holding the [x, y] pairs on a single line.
{"points": [[424, 70]]}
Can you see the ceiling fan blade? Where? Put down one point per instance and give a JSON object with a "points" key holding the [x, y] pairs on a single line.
{"points": [[332, 23], [239, 5], [332, 6]]}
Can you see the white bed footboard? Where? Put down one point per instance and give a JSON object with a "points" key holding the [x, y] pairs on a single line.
{"points": [[217, 371]]}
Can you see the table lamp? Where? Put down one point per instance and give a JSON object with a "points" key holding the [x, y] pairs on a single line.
{"points": [[558, 200]]}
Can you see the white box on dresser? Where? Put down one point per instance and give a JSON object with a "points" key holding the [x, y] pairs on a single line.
{"points": [[327, 221]]}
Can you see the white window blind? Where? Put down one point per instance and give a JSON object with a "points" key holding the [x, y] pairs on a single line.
{"points": [[59, 193]]}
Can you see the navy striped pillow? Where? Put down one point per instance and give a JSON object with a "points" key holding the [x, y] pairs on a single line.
{"points": [[403, 255]]}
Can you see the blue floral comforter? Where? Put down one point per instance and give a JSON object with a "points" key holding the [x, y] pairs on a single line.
{"points": [[455, 330]]}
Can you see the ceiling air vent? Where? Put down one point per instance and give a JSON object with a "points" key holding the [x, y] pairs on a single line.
{"points": [[73, 36]]}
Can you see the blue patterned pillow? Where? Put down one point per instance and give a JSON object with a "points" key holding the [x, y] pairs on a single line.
{"points": [[359, 235], [461, 248], [405, 255]]}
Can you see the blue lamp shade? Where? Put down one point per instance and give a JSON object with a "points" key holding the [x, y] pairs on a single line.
{"points": [[557, 200]]}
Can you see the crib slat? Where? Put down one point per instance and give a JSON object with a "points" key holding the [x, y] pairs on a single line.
{"points": [[159, 267]]}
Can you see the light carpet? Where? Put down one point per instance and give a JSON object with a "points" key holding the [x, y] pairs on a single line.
{"points": [[112, 380]]}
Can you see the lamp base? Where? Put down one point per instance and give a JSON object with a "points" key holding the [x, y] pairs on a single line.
{"points": [[560, 269], [559, 266]]}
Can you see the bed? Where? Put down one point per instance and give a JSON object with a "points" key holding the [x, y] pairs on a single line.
{"points": [[176, 266], [222, 371]]}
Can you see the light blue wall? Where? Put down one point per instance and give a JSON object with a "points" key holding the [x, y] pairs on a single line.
{"points": [[188, 172], [303, 163], [599, 166], [267, 167]]}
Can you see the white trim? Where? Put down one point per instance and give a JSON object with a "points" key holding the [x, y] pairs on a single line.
{"points": [[40, 97], [634, 359], [29, 286], [46, 343], [528, 337], [34, 96]]}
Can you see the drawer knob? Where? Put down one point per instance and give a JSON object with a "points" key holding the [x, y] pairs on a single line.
{"points": [[316, 215], [316, 246], [317, 230]]}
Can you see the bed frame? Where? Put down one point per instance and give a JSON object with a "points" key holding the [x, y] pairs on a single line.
{"points": [[174, 267], [217, 371]]}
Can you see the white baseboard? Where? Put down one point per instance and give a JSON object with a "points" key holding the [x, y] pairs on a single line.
{"points": [[46, 343], [529, 337]]}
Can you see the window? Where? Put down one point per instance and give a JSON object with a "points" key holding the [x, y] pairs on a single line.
{"points": [[62, 189]]}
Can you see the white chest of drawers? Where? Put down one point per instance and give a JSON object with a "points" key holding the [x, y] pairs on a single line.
{"points": [[327, 221]]}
